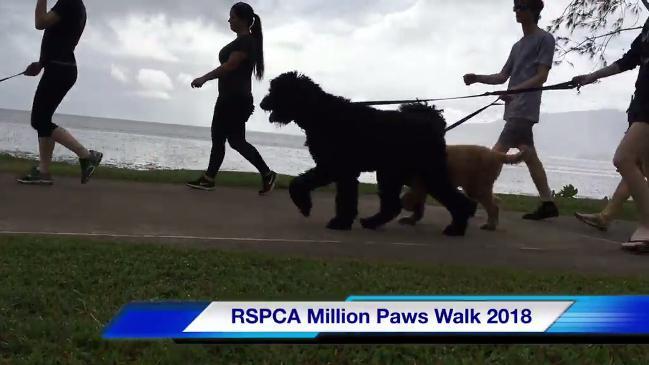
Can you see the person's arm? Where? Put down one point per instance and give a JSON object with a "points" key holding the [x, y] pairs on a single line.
{"points": [[235, 60], [628, 62], [607, 71], [42, 18], [495, 79], [542, 73]]}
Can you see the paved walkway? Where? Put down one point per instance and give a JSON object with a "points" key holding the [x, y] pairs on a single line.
{"points": [[239, 219]]}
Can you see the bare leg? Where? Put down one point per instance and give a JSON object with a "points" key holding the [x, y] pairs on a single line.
{"points": [[614, 206], [537, 172], [631, 154], [45, 151], [63, 137]]}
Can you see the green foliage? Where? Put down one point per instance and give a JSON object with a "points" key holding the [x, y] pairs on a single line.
{"points": [[567, 192], [600, 20]]}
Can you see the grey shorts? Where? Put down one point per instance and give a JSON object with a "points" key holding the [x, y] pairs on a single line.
{"points": [[517, 132]]}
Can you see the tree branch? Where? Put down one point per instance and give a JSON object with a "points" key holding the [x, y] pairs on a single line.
{"points": [[590, 39]]}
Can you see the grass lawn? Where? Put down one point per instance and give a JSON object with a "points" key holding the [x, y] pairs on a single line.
{"points": [[517, 203], [56, 295]]}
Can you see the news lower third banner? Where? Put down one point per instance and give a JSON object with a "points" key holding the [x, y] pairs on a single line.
{"points": [[390, 319]]}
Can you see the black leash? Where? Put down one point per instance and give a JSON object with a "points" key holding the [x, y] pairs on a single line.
{"points": [[562, 86], [468, 117], [11, 77]]}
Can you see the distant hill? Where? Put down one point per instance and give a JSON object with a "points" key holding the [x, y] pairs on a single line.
{"points": [[150, 128], [586, 135]]}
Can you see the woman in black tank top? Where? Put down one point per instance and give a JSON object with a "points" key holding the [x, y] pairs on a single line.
{"points": [[234, 106]]}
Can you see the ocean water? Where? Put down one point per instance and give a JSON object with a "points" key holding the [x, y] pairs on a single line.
{"points": [[141, 145]]}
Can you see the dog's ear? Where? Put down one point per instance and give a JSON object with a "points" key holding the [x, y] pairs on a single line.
{"points": [[309, 90]]}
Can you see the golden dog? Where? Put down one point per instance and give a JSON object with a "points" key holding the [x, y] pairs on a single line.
{"points": [[474, 169]]}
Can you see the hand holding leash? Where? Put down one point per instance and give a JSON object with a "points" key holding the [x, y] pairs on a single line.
{"points": [[583, 80], [33, 69]]}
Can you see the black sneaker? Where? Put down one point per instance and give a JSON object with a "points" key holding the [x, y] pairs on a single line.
{"points": [[203, 183], [546, 210], [269, 182], [89, 165], [35, 177]]}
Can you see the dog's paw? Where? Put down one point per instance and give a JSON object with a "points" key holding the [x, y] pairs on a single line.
{"points": [[488, 227], [340, 225], [456, 230], [408, 221], [370, 223], [301, 198]]}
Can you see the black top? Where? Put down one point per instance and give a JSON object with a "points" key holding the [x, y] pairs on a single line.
{"points": [[60, 40], [638, 55], [238, 82]]}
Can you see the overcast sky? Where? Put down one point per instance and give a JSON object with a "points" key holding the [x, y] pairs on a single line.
{"points": [[137, 58]]}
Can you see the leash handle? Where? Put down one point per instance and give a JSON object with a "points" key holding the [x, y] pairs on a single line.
{"points": [[11, 77]]}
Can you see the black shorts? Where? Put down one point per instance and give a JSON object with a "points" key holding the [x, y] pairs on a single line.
{"points": [[517, 132], [55, 83], [639, 110]]}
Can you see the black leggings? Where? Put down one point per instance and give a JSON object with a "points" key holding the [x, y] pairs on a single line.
{"points": [[57, 80], [229, 124]]}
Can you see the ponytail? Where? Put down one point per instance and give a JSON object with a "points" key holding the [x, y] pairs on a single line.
{"points": [[245, 11], [258, 35]]}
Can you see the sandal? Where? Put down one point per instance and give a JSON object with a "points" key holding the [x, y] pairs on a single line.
{"points": [[636, 246]]}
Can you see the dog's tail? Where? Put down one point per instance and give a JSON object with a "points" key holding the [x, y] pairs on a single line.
{"points": [[514, 159]]}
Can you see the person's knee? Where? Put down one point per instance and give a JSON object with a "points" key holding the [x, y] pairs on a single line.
{"points": [[44, 129], [218, 136], [624, 161], [530, 156], [238, 144], [35, 125]]}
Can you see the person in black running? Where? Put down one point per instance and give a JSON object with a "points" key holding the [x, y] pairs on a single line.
{"points": [[63, 27], [235, 105]]}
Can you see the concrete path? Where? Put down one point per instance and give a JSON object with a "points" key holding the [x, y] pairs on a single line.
{"points": [[239, 219]]}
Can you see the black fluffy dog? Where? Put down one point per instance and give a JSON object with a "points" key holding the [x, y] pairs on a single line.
{"points": [[346, 139]]}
